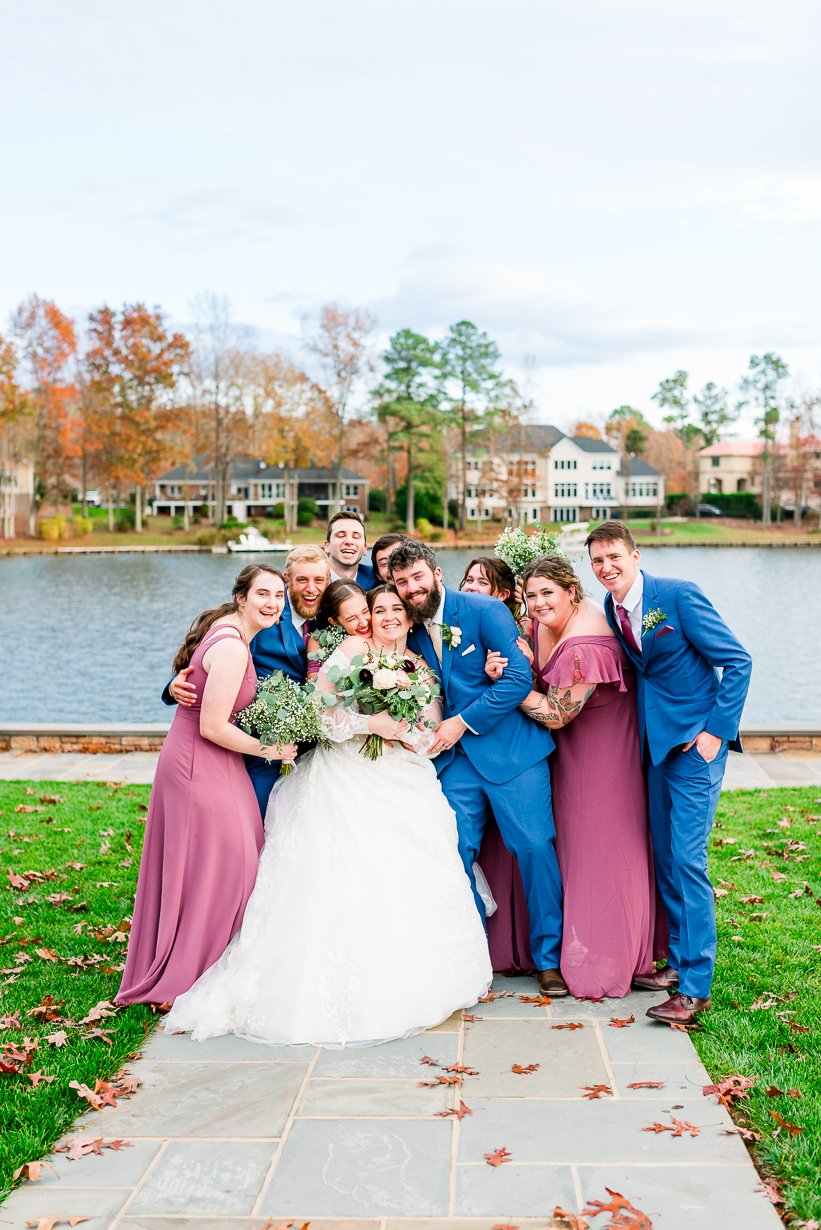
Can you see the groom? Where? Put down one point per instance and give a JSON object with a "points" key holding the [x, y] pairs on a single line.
{"points": [[492, 759], [688, 715]]}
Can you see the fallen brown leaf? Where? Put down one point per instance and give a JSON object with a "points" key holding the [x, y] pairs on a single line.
{"points": [[792, 1128], [569, 1025], [618, 1022], [498, 1157], [594, 1092], [525, 1070], [456, 1112], [646, 1085]]}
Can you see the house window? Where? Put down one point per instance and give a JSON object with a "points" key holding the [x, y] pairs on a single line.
{"points": [[715, 462], [351, 491]]}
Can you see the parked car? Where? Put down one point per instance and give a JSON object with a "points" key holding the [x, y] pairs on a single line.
{"points": [[709, 510]]}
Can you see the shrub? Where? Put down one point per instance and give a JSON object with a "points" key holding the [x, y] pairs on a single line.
{"points": [[51, 529], [306, 511], [126, 520], [735, 504], [423, 527], [207, 538], [230, 523], [178, 523], [377, 499], [679, 504], [81, 525]]}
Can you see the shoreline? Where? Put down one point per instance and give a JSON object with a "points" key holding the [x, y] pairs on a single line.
{"points": [[474, 545]]}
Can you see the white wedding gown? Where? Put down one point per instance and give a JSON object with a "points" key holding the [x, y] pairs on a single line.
{"points": [[362, 925]]}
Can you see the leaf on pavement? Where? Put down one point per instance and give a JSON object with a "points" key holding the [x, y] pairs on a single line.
{"points": [[594, 1092], [621, 1022], [498, 1157], [572, 1221], [625, 1215], [543, 1001], [526, 1069], [30, 1171], [569, 1025], [646, 1085], [434, 1063], [678, 1127], [456, 1112], [52, 1220], [460, 1067]]}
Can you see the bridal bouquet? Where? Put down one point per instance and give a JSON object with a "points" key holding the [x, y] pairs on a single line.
{"points": [[282, 712], [375, 682], [518, 548]]}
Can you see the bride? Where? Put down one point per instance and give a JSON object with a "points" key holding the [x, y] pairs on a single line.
{"points": [[362, 925]]}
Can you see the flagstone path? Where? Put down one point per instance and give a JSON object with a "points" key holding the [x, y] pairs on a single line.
{"points": [[228, 1133]]}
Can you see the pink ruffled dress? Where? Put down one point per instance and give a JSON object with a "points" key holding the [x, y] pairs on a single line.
{"points": [[602, 836]]}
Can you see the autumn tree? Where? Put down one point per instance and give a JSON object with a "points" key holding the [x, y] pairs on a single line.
{"points": [[14, 406], [586, 429], [407, 403], [49, 343], [291, 421], [219, 372], [472, 383], [619, 425], [762, 384], [135, 363], [339, 340], [673, 397], [801, 467]]}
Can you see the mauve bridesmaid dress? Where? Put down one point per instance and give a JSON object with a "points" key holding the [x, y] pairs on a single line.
{"points": [[202, 841]]}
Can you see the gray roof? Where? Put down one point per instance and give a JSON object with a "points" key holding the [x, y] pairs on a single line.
{"points": [[592, 446], [201, 469], [527, 438], [637, 467]]}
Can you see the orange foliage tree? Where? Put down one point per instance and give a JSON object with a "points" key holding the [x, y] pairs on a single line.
{"points": [[135, 364], [49, 344]]}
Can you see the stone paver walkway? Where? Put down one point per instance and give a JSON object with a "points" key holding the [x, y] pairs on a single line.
{"points": [[228, 1133]]}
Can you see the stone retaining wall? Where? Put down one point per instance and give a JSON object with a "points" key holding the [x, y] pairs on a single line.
{"points": [[114, 740]]}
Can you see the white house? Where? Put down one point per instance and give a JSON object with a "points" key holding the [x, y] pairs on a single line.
{"points": [[537, 473]]}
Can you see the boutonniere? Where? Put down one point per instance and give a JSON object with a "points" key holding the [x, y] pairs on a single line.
{"points": [[652, 620], [452, 636]]}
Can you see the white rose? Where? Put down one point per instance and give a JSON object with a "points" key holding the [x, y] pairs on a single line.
{"points": [[384, 679], [456, 637]]}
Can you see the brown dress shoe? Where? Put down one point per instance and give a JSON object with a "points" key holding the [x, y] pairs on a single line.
{"points": [[551, 983], [659, 980], [679, 1009]]}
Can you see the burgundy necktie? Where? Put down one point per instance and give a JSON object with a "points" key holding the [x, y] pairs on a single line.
{"points": [[627, 631], [307, 629]]}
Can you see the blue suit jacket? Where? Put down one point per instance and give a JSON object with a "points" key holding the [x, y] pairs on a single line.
{"points": [[365, 576], [278, 648], [680, 689], [506, 742]]}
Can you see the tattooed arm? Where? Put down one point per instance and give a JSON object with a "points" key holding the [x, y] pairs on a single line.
{"points": [[557, 706]]}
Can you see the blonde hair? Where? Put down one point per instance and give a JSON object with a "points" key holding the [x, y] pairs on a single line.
{"points": [[306, 555]]}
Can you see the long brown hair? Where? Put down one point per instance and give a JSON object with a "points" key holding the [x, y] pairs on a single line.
{"points": [[500, 577], [333, 598], [204, 621]]}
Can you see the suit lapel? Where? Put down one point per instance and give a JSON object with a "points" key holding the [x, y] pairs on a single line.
{"points": [[291, 640], [450, 616], [649, 601], [419, 640], [615, 624]]}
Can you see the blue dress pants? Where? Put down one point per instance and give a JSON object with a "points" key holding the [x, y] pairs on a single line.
{"points": [[683, 795], [523, 811]]}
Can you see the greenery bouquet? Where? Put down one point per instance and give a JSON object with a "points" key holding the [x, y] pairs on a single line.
{"points": [[375, 682], [283, 711], [518, 547]]}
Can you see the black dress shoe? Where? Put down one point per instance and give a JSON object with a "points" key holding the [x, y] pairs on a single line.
{"points": [[679, 1009], [551, 983], [659, 980]]}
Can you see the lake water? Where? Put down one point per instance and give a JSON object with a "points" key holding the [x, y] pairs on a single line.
{"points": [[91, 638]]}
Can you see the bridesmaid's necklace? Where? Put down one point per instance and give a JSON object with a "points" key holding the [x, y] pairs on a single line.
{"points": [[554, 640]]}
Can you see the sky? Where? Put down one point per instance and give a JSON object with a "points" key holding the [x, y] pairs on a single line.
{"points": [[612, 190]]}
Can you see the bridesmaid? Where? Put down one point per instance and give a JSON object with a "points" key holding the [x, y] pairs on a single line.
{"points": [[343, 605], [586, 693], [203, 835]]}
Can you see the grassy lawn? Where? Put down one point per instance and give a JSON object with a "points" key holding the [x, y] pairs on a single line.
{"points": [[75, 851], [70, 854], [766, 1019]]}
